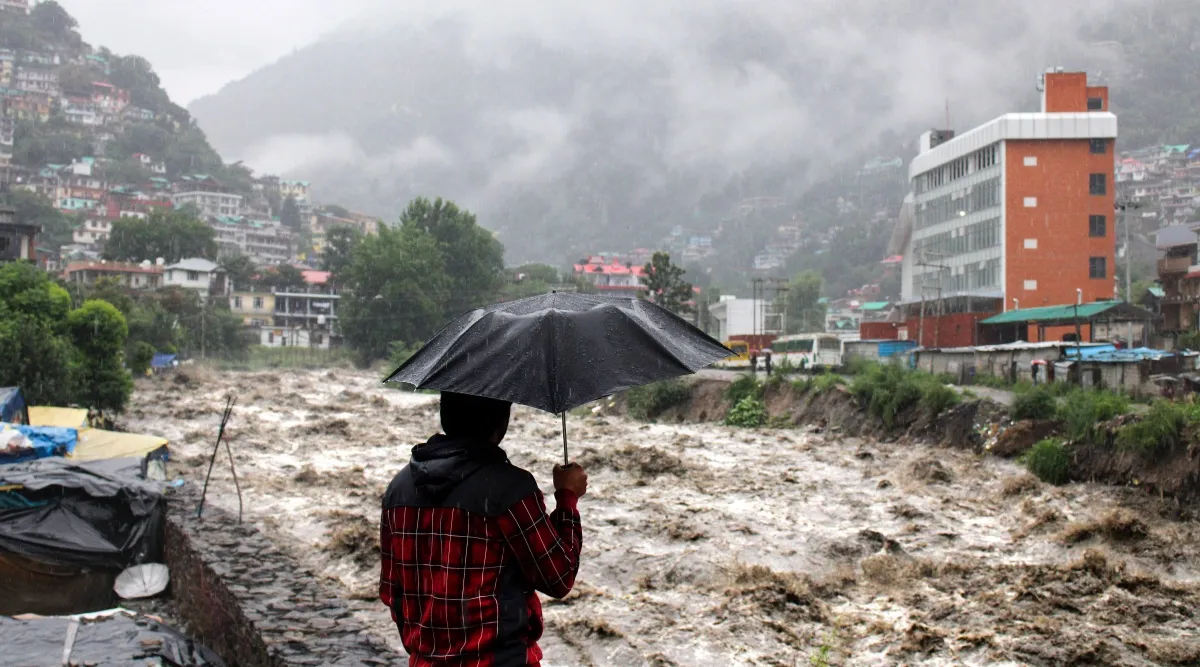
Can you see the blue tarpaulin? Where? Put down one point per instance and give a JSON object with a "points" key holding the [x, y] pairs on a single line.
{"points": [[12, 406], [162, 360], [1109, 353], [26, 443]]}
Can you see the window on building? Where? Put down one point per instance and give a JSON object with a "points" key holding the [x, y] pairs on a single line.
{"points": [[270, 337], [258, 303], [1098, 267], [1099, 146], [237, 303], [1098, 225], [192, 276], [1098, 184], [1095, 104]]}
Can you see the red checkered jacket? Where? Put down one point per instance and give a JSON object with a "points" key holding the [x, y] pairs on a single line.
{"points": [[466, 541]]}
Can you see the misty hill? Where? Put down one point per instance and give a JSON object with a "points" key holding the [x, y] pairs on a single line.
{"points": [[601, 126], [64, 100]]}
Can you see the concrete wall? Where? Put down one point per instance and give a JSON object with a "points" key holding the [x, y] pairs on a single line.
{"points": [[252, 603]]}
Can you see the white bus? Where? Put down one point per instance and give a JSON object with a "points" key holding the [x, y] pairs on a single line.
{"points": [[817, 350]]}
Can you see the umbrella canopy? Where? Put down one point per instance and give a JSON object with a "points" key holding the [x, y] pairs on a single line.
{"points": [[558, 351]]}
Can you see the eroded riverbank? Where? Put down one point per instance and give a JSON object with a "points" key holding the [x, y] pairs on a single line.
{"points": [[708, 545]]}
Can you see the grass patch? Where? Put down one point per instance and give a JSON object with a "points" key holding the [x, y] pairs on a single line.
{"points": [[1036, 403], [826, 382], [889, 389], [992, 381], [1082, 411], [750, 412], [745, 385], [1159, 431], [937, 398], [1049, 460], [803, 385], [650, 401]]}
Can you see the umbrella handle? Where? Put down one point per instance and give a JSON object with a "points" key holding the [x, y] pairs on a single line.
{"points": [[566, 458]]}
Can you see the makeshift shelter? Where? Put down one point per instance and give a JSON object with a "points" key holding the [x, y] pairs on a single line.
{"points": [[62, 417], [162, 360], [1051, 323], [97, 444], [19, 442], [113, 637], [12, 406], [68, 528]]}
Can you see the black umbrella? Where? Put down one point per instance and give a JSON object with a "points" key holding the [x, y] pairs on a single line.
{"points": [[558, 351]]}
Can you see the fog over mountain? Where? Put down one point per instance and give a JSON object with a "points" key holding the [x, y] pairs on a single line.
{"points": [[577, 126]]}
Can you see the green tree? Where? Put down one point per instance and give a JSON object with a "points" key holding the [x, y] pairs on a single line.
{"points": [[395, 291], [666, 286], [49, 18], [801, 303], [339, 249], [171, 235], [471, 257], [140, 355], [289, 214], [99, 332], [36, 352], [240, 270]]}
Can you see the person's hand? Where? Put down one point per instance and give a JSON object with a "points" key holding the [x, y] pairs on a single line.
{"points": [[570, 477]]}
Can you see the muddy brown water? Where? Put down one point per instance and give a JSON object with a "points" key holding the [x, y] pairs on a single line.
{"points": [[707, 545]]}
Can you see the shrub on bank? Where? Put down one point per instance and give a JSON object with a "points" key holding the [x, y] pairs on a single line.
{"points": [[1049, 460], [1037, 403], [745, 385], [937, 398], [1083, 410], [827, 382], [650, 401], [1159, 430], [749, 412], [887, 390]]}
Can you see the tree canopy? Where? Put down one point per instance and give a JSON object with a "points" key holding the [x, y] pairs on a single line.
{"points": [[396, 291], [801, 303], [171, 235], [289, 214], [666, 286], [56, 355], [470, 256], [339, 248]]}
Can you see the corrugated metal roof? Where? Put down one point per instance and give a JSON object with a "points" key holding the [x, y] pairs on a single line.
{"points": [[1157, 291], [1050, 313], [1175, 235], [876, 305]]}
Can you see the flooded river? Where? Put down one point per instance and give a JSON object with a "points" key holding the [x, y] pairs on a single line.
{"points": [[707, 545]]}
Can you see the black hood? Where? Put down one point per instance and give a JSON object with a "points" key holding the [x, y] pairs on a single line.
{"points": [[440, 465]]}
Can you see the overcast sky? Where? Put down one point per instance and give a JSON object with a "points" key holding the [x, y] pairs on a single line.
{"points": [[197, 46]]}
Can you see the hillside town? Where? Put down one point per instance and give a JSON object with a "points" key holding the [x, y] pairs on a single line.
{"points": [[944, 409]]}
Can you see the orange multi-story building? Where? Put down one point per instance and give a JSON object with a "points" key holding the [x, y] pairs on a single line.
{"points": [[1016, 213]]}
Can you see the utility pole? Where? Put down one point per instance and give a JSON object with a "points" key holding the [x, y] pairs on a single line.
{"points": [[1123, 207], [923, 263]]}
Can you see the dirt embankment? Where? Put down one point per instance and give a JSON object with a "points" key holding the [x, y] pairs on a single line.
{"points": [[979, 425], [839, 412]]}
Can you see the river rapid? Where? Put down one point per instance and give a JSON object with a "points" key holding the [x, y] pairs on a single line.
{"points": [[709, 545]]}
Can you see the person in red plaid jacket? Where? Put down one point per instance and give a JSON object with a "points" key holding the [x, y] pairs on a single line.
{"points": [[466, 543]]}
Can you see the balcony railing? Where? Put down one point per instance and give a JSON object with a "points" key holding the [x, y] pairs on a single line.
{"points": [[1174, 265]]}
